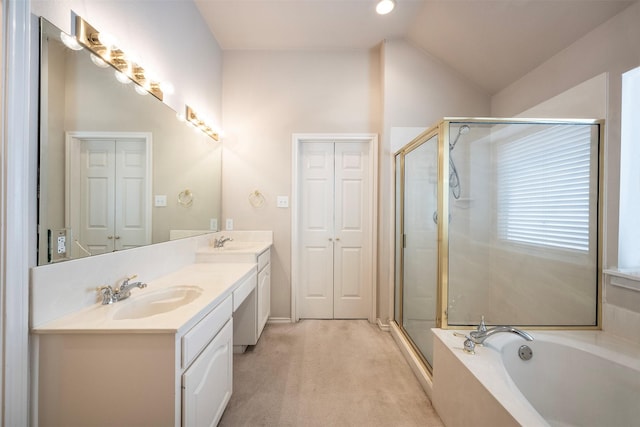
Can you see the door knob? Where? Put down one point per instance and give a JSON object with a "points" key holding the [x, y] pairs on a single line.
{"points": [[117, 237], [330, 239], [337, 239], [109, 237]]}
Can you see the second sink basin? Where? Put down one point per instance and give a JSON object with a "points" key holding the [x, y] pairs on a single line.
{"points": [[145, 304]]}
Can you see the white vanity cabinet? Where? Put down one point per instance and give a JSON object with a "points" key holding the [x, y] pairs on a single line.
{"points": [[207, 384], [264, 289], [138, 375], [251, 316]]}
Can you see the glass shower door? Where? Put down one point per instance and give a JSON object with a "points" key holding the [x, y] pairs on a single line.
{"points": [[420, 245]]}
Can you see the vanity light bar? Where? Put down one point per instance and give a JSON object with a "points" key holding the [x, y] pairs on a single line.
{"points": [[192, 117], [89, 37]]}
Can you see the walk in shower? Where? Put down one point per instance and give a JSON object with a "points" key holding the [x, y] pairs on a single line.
{"points": [[497, 218]]}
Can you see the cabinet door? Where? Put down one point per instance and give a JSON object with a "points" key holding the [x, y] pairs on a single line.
{"points": [[264, 297], [207, 384]]}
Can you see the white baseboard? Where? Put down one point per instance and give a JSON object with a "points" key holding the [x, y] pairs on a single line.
{"points": [[279, 320], [383, 326]]}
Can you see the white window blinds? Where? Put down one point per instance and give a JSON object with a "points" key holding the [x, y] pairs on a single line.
{"points": [[543, 188]]}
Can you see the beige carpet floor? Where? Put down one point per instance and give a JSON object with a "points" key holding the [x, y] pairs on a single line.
{"points": [[326, 373]]}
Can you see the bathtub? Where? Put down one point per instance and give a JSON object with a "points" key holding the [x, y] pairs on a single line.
{"points": [[574, 378]]}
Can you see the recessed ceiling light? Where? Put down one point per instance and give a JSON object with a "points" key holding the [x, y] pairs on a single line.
{"points": [[385, 6]]}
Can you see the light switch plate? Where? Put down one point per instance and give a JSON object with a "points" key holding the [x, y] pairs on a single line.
{"points": [[282, 201]]}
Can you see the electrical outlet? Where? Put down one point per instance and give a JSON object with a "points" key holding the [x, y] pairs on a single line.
{"points": [[160, 201], [282, 201], [213, 224], [62, 244], [229, 226]]}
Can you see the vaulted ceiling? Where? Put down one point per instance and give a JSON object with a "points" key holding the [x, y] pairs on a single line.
{"points": [[490, 42]]}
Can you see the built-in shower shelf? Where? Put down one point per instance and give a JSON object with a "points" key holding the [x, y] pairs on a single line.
{"points": [[624, 279], [464, 203]]}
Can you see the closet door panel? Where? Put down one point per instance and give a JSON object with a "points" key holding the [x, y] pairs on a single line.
{"points": [[317, 223], [352, 274]]}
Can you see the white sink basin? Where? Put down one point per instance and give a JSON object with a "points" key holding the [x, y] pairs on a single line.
{"points": [[145, 304]]}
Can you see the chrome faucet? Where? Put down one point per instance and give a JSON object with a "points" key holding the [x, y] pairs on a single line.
{"points": [[109, 295], [482, 333], [219, 243]]}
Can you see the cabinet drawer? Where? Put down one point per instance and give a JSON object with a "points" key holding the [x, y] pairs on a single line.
{"points": [[263, 259], [243, 291], [199, 336]]}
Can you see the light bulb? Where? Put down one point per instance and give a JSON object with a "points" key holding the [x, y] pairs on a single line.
{"points": [[122, 77], [140, 90], [385, 6], [70, 41], [167, 88], [107, 40], [99, 61]]}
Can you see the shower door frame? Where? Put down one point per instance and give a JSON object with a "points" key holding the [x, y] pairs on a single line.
{"points": [[441, 129], [442, 227], [443, 256]]}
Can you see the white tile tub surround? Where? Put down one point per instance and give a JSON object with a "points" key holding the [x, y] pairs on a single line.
{"points": [[598, 370], [621, 304], [621, 322]]}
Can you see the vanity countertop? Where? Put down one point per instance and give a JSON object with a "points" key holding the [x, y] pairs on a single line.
{"points": [[216, 281]]}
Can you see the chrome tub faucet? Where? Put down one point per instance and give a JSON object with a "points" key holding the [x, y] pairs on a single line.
{"points": [[109, 295], [482, 333]]}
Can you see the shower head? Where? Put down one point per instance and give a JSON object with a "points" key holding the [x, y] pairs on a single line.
{"points": [[462, 130]]}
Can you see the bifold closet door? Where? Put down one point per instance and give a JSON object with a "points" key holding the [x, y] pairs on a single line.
{"points": [[113, 196], [335, 231]]}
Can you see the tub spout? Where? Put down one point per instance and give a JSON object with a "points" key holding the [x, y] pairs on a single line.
{"points": [[478, 337]]}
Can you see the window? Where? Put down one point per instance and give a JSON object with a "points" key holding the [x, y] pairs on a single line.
{"points": [[629, 217], [544, 186]]}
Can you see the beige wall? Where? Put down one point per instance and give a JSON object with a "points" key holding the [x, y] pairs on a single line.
{"points": [[597, 59], [418, 92], [611, 48], [268, 96], [191, 60]]}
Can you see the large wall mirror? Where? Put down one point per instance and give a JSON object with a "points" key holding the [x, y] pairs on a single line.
{"points": [[117, 169]]}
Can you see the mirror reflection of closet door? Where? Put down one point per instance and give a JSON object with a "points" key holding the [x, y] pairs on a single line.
{"points": [[108, 195], [420, 246]]}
